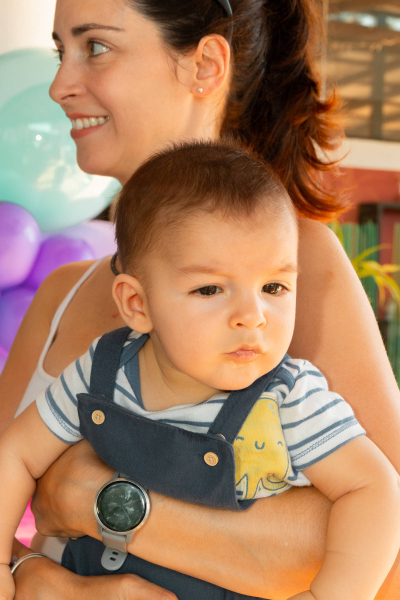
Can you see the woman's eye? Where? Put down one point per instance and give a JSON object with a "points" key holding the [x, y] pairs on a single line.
{"points": [[273, 288], [208, 290], [59, 54], [95, 48]]}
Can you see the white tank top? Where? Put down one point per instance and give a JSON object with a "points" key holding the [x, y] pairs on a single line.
{"points": [[40, 379]]}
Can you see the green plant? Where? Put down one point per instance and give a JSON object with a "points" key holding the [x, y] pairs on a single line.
{"points": [[371, 268]]}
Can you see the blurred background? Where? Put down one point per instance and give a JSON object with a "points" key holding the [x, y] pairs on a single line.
{"points": [[361, 59]]}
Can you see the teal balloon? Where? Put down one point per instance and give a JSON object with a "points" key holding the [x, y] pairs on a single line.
{"points": [[38, 168]]}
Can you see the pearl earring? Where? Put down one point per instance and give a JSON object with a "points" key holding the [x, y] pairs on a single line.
{"points": [[200, 90]]}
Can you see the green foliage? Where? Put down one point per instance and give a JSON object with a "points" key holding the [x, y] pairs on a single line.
{"points": [[371, 268]]}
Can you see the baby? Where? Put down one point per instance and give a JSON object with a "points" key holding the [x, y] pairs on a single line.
{"points": [[207, 241]]}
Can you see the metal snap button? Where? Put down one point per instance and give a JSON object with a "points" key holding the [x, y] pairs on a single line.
{"points": [[98, 417], [211, 459], [221, 436]]}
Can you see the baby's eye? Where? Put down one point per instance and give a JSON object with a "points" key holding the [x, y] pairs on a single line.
{"points": [[209, 290], [95, 48], [273, 288]]}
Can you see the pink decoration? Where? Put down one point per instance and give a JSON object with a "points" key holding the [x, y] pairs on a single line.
{"points": [[26, 529]]}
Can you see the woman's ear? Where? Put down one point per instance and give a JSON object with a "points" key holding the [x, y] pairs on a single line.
{"points": [[131, 301], [211, 60]]}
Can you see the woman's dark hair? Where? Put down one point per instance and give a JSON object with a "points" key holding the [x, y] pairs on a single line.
{"points": [[273, 104]]}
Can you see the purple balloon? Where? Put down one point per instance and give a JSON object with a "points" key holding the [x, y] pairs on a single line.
{"points": [[100, 235], [56, 251], [3, 358], [13, 305], [19, 244]]}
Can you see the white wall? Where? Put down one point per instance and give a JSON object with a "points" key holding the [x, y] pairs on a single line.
{"points": [[26, 24]]}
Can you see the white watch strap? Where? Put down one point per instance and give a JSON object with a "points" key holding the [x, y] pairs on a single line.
{"points": [[113, 540]]}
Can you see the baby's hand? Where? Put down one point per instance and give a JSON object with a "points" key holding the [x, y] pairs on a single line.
{"points": [[7, 587], [303, 596]]}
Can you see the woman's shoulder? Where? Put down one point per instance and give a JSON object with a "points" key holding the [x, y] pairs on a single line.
{"points": [[59, 283], [317, 234], [320, 249]]}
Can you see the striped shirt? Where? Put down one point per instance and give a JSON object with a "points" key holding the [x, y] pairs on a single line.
{"points": [[312, 421]]}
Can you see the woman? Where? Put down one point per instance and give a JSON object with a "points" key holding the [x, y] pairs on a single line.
{"points": [[156, 72]]}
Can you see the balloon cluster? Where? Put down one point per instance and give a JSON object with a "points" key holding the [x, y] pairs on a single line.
{"points": [[45, 198], [27, 256]]}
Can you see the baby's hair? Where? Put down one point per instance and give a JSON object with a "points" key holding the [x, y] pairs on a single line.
{"points": [[188, 179]]}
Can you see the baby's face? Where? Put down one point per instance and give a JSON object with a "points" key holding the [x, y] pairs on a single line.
{"points": [[221, 297]]}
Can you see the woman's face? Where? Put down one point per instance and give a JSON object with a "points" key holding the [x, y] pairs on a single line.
{"points": [[114, 67]]}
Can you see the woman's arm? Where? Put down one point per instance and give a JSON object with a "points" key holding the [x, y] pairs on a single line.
{"points": [[337, 331], [31, 338]]}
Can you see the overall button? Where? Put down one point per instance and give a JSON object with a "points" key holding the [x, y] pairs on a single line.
{"points": [[211, 459], [98, 417]]}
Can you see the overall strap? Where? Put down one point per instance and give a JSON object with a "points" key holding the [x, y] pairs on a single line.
{"points": [[106, 362], [238, 405]]}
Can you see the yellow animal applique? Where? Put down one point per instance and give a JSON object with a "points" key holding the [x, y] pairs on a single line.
{"points": [[261, 456]]}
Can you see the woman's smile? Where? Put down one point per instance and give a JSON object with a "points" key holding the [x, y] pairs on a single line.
{"points": [[82, 124]]}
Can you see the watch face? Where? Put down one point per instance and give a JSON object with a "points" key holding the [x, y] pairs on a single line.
{"points": [[121, 506]]}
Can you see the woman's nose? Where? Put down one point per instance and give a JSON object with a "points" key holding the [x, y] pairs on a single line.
{"points": [[249, 314], [66, 85]]}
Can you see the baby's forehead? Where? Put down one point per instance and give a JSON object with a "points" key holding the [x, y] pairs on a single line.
{"points": [[211, 242]]}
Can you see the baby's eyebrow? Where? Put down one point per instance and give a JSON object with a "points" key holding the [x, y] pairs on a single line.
{"points": [[287, 268], [193, 269]]}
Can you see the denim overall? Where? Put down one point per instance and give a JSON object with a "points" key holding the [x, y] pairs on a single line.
{"points": [[162, 458]]}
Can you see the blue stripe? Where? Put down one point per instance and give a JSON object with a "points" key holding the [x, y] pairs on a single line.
{"points": [[314, 414], [67, 390], [59, 415], [80, 373], [126, 394], [291, 366], [286, 377], [321, 456], [321, 433], [69, 442], [312, 373], [299, 400], [91, 352]]}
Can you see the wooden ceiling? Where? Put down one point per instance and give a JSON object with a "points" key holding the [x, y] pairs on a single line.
{"points": [[364, 65]]}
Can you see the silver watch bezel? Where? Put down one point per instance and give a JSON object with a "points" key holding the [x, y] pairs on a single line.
{"points": [[116, 479]]}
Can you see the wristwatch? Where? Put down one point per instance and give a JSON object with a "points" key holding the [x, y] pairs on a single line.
{"points": [[121, 507]]}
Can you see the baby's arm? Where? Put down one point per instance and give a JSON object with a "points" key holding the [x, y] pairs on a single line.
{"points": [[27, 449], [364, 526]]}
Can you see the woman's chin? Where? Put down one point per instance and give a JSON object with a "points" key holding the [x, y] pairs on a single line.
{"points": [[94, 165]]}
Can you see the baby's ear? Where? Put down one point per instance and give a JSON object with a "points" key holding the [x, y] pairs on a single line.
{"points": [[130, 298]]}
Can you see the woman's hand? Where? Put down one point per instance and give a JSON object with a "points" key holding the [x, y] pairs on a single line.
{"points": [[65, 494], [43, 579]]}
